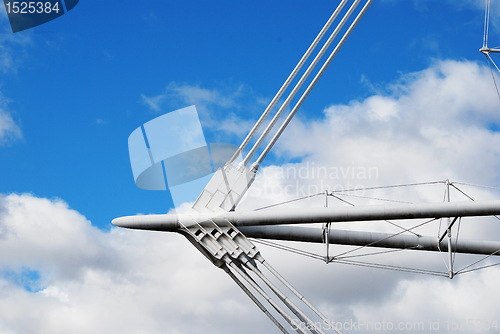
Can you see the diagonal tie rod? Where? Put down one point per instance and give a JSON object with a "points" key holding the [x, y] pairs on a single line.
{"points": [[300, 83]]}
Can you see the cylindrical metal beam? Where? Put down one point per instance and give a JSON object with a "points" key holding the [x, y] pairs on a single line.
{"points": [[371, 239], [360, 213], [172, 222], [300, 82], [287, 82]]}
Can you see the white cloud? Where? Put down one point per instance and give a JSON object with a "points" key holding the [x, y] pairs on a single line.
{"points": [[106, 282], [11, 46], [9, 130], [218, 107], [194, 94], [11, 54], [59, 274], [466, 305], [178, 94], [153, 102], [431, 125]]}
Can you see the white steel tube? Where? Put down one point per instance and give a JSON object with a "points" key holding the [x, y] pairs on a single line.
{"points": [[301, 82], [288, 80], [255, 300], [311, 326], [370, 239], [310, 87], [257, 288], [295, 292], [170, 222]]}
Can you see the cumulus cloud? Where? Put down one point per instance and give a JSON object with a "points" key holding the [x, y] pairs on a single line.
{"points": [[60, 274], [88, 280], [132, 281], [433, 124]]}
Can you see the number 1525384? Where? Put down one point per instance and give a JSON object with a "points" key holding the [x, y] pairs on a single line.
{"points": [[32, 7]]}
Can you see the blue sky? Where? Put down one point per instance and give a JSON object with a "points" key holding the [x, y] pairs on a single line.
{"points": [[409, 96], [75, 84]]}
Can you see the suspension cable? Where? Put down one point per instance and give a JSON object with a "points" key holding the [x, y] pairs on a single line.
{"points": [[289, 249], [288, 80], [394, 268], [477, 185], [486, 23], [490, 61], [344, 258], [311, 86], [298, 86], [375, 198], [287, 202], [479, 268], [375, 253], [476, 262], [387, 221], [377, 241], [390, 186]]}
